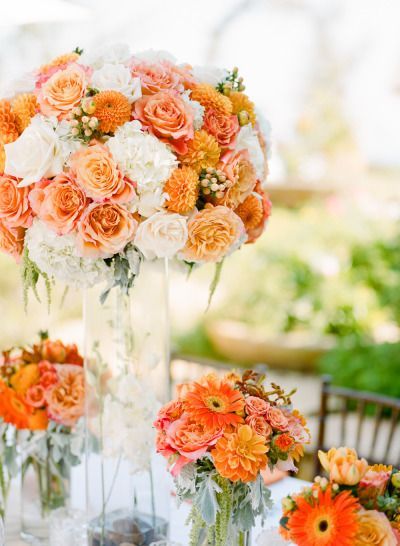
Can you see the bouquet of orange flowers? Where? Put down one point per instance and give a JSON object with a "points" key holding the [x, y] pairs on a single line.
{"points": [[357, 505], [218, 436]]}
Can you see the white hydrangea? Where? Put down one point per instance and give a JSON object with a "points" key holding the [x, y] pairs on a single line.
{"points": [[247, 139], [56, 256], [128, 415], [197, 108], [98, 57], [142, 157], [210, 74]]}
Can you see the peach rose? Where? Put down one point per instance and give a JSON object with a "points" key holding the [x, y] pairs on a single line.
{"points": [[276, 418], [374, 529], [62, 91], [104, 230], [15, 210], [212, 234], [35, 396], [156, 77], [58, 202], [12, 240], [256, 406], [168, 117], [343, 465], [223, 127], [259, 425], [241, 176], [98, 175], [66, 399]]}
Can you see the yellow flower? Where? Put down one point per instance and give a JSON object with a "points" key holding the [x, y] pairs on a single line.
{"points": [[343, 465], [203, 151], [242, 103], [209, 97]]}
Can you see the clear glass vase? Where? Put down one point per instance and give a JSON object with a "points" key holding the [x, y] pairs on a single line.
{"points": [[233, 538], [45, 487], [127, 377]]}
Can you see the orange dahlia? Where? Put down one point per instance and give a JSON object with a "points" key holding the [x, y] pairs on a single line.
{"points": [[182, 188], [112, 110], [2, 158], [250, 211], [61, 60], [24, 107], [214, 402], [203, 151], [324, 521], [209, 97], [8, 123], [240, 455], [241, 103]]}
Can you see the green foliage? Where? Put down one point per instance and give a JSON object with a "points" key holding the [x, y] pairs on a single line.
{"points": [[30, 277], [373, 368]]}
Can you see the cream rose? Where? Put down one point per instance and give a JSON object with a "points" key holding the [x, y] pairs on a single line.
{"points": [[37, 153], [162, 235], [118, 78]]}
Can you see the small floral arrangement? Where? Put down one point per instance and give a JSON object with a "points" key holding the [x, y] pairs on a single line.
{"points": [[357, 505], [109, 158], [218, 436]]}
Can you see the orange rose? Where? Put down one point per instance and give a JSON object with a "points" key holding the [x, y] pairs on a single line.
{"points": [[222, 126], [156, 77], [212, 234], [98, 175], [104, 230], [63, 91], [14, 203], [259, 425], [66, 399], [343, 465], [24, 378], [374, 529], [168, 117], [12, 240], [58, 202]]}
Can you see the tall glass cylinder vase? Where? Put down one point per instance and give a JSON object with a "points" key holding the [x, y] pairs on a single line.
{"points": [[127, 377], [235, 537]]}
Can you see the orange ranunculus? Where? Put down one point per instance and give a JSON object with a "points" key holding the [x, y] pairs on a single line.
{"points": [[13, 409], [65, 400], [223, 127], [259, 425], [256, 406], [241, 175], [15, 210], [38, 420], [98, 175], [214, 402], [212, 234], [168, 117], [58, 202], [374, 529], [156, 77], [343, 465], [24, 378], [240, 455], [63, 91], [276, 418], [104, 230], [284, 442], [12, 240]]}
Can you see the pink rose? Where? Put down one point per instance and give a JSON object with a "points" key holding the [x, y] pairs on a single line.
{"points": [[168, 117], [58, 202], [104, 230], [14, 203], [12, 240], [157, 77], [35, 396], [259, 425], [66, 398], [276, 418], [256, 406]]}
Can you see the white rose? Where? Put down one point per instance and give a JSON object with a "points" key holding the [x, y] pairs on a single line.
{"points": [[118, 78], [151, 202], [209, 74], [37, 153], [162, 235], [114, 54], [247, 139]]}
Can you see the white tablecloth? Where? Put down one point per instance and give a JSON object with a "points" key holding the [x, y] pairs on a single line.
{"points": [[179, 532]]}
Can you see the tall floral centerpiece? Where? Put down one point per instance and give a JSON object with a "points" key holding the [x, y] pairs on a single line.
{"points": [[114, 167], [41, 404], [218, 436]]}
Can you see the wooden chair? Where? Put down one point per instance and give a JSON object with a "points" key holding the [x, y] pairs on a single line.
{"points": [[365, 421]]}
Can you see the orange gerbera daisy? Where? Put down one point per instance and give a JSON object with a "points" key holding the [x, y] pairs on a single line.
{"points": [[214, 402], [24, 107], [182, 188], [240, 455], [112, 110], [61, 60], [241, 103], [13, 409], [8, 123], [251, 211], [324, 521], [209, 97], [203, 151]]}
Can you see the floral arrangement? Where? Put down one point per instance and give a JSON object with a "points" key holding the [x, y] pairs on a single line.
{"points": [[110, 158], [357, 505], [218, 436]]}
